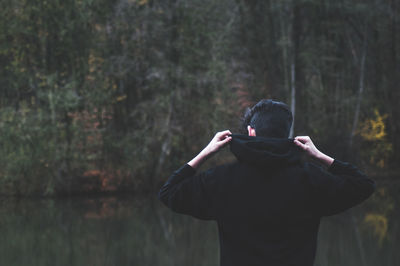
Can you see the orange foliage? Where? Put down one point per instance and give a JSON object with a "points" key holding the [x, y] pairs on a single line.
{"points": [[103, 208], [243, 96], [97, 179], [103, 180], [106, 210], [92, 124]]}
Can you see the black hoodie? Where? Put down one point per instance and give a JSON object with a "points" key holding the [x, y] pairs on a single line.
{"points": [[268, 203]]}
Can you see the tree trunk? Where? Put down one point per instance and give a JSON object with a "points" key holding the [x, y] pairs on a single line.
{"points": [[288, 55], [166, 144], [293, 94], [360, 90], [358, 239], [285, 43]]}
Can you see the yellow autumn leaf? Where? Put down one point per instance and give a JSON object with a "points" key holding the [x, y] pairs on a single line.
{"points": [[379, 223], [374, 128], [120, 98], [142, 2]]}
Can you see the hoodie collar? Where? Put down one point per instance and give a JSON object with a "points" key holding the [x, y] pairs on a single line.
{"points": [[265, 152]]}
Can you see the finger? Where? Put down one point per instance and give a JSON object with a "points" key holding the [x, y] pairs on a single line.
{"points": [[298, 143], [225, 141], [219, 133], [303, 139], [224, 134]]}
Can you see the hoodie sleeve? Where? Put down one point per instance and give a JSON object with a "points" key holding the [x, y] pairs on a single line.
{"points": [[190, 194], [341, 187]]}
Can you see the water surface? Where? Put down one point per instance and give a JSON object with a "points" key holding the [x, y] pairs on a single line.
{"points": [[141, 231]]}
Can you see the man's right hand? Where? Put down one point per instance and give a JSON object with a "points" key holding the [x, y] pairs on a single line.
{"points": [[219, 141], [305, 143]]}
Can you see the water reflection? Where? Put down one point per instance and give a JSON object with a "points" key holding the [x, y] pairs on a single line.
{"points": [[102, 231], [140, 231]]}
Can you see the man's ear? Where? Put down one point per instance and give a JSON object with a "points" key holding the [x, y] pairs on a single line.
{"points": [[251, 131]]}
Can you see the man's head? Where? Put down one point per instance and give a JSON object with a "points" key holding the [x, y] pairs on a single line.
{"points": [[268, 118]]}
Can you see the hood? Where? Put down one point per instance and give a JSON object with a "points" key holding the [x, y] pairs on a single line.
{"points": [[265, 152]]}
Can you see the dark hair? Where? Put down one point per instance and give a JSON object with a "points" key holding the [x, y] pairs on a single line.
{"points": [[269, 119]]}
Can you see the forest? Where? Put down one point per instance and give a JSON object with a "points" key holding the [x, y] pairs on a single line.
{"points": [[111, 96]]}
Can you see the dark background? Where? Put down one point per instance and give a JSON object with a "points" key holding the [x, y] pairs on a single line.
{"points": [[111, 96]]}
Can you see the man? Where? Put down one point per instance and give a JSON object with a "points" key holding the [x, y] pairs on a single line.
{"points": [[268, 203]]}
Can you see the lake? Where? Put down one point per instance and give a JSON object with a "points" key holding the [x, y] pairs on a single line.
{"points": [[141, 231]]}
